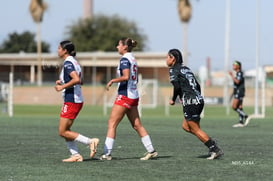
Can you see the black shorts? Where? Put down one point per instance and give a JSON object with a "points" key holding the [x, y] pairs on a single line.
{"points": [[238, 96], [192, 112]]}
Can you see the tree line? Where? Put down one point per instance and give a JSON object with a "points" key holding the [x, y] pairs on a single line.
{"points": [[91, 34], [96, 34]]}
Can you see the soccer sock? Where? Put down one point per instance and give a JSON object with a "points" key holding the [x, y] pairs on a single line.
{"points": [[146, 140], [211, 144], [72, 147], [108, 146], [240, 112], [83, 139], [241, 118]]}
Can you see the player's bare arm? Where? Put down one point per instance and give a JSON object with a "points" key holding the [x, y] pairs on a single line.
{"points": [[233, 78], [124, 77], [75, 79]]}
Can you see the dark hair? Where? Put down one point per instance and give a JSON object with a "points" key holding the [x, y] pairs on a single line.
{"points": [[177, 55], [69, 47], [129, 42]]}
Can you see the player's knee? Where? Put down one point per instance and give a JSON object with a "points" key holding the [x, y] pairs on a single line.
{"points": [[137, 127], [62, 133], [186, 128], [234, 108]]}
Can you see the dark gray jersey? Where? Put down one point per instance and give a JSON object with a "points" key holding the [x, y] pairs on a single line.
{"points": [[239, 88], [185, 85]]}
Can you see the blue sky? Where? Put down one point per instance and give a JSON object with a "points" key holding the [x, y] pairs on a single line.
{"points": [[160, 22]]}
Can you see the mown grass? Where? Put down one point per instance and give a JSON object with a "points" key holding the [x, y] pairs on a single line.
{"points": [[31, 149]]}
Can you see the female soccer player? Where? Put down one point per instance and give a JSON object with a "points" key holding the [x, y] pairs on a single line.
{"points": [[188, 89], [238, 92], [70, 84], [127, 101]]}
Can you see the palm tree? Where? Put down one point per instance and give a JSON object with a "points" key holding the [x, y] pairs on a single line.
{"points": [[184, 11], [37, 9]]}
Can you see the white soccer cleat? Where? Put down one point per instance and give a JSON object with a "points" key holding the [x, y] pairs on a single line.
{"points": [[216, 154], [239, 125], [149, 156], [74, 158], [106, 157], [247, 118]]}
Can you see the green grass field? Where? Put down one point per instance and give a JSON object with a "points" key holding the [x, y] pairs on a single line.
{"points": [[31, 149]]}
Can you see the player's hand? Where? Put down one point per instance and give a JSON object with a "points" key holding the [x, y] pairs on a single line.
{"points": [[58, 88], [171, 102], [108, 85], [230, 73]]}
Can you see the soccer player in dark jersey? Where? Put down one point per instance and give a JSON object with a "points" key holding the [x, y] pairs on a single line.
{"points": [[188, 90], [238, 92]]}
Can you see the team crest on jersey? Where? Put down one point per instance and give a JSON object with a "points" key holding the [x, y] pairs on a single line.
{"points": [[68, 66], [124, 62], [184, 71]]}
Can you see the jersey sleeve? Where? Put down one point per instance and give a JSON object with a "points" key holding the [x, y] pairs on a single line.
{"points": [[176, 90], [69, 67], [174, 82], [239, 77], [124, 64], [198, 86]]}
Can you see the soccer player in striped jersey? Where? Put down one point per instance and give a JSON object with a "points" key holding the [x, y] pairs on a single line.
{"points": [[70, 85], [126, 101]]}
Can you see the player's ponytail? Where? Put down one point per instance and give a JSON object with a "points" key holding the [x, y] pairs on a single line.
{"points": [[69, 47], [129, 42]]}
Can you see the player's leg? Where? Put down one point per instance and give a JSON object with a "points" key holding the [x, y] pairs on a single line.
{"points": [[64, 131], [185, 126], [134, 119], [194, 128], [191, 123], [116, 116], [243, 114], [237, 105], [72, 137], [214, 150], [68, 114]]}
